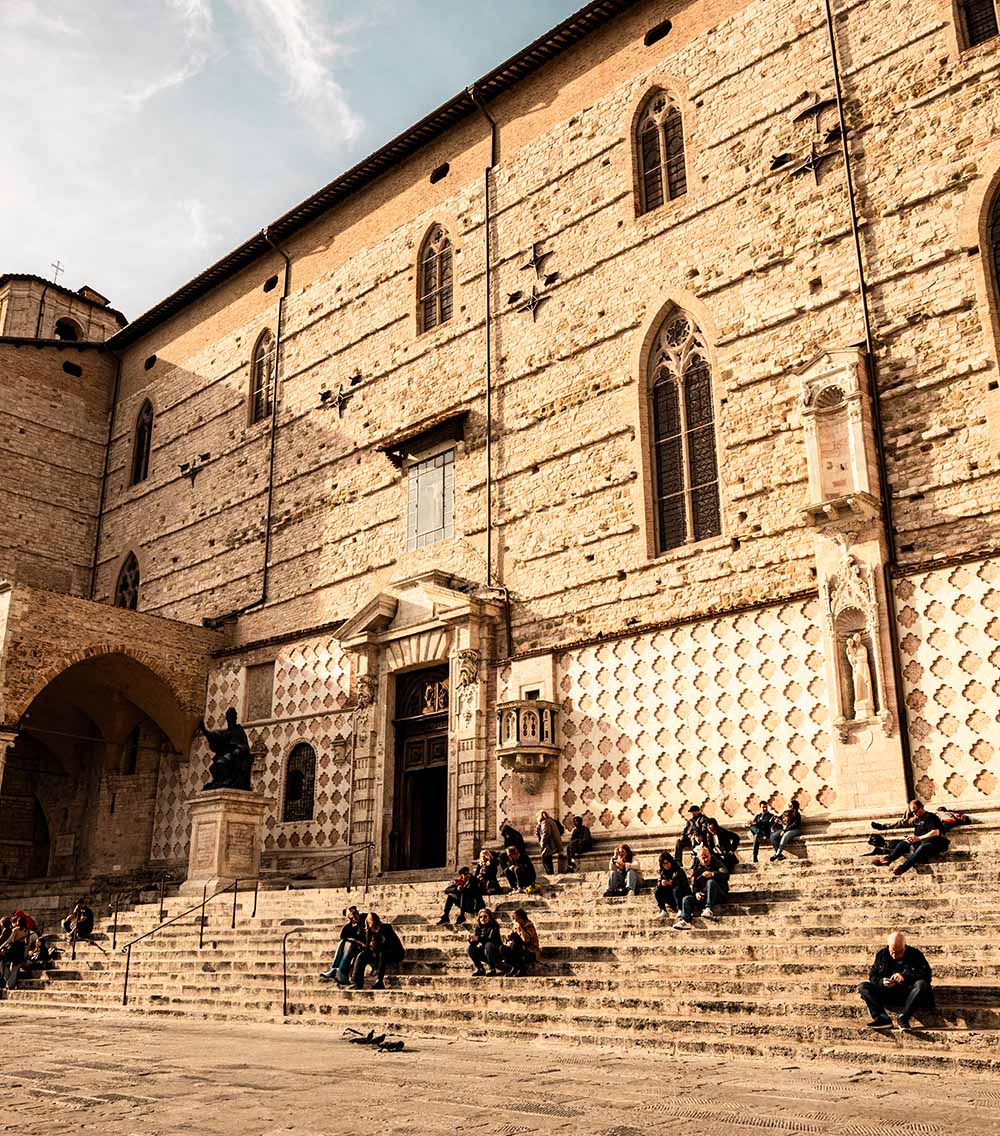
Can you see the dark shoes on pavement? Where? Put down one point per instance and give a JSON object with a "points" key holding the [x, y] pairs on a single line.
{"points": [[883, 1021]]}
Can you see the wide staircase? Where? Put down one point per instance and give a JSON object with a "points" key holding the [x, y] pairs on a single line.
{"points": [[774, 978]]}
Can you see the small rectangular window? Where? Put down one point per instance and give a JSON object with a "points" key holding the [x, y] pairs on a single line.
{"points": [[259, 692], [430, 500]]}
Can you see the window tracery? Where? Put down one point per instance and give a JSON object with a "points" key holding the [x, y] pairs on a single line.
{"points": [[659, 143]]}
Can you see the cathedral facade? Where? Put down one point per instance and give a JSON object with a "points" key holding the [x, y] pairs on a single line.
{"points": [[622, 436]]}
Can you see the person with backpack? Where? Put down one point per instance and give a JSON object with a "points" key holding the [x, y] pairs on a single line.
{"points": [[549, 833]]}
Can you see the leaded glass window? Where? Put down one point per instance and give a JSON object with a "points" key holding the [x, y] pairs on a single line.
{"points": [[262, 377], [300, 783], [436, 278], [127, 588], [142, 443], [682, 427], [660, 148]]}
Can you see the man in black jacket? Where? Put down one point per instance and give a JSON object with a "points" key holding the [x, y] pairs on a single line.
{"points": [[465, 893], [520, 871], [580, 841], [352, 937], [900, 978], [928, 840], [697, 825]]}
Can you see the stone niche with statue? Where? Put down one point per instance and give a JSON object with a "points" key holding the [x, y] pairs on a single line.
{"points": [[845, 511]]}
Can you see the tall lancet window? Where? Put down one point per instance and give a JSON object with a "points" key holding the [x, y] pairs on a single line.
{"points": [[659, 143], [127, 588], [682, 443], [435, 291]]}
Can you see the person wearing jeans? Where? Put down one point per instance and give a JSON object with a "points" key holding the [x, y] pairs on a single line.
{"points": [[381, 949], [13, 953], [709, 884], [486, 944], [927, 840], [352, 937], [900, 978], [789, 828], [761, 827], [672, 885]]}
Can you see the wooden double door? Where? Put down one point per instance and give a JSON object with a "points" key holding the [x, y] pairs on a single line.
{"points": [[420, 803]]}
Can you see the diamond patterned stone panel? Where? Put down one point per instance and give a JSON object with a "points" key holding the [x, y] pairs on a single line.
{"points": [[311, 689], [718, 713], [949, 637]]}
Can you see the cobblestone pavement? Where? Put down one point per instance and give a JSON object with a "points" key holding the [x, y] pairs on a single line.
{"points": [[130, 1075]]}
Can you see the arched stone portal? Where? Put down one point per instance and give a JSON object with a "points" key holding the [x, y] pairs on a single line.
{"points": [[79, 785]]}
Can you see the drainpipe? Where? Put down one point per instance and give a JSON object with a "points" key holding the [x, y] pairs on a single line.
{"points": [[104, 477], [219, 620], [871, 370], [494, 149], [489, 314]]}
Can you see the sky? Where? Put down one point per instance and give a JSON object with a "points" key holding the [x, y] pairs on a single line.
{"points": [[140, 140]]}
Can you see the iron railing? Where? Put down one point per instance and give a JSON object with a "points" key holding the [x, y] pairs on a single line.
{"points": [[234, 887], [121, 898]]}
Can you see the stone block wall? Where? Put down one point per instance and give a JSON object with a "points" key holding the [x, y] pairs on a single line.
{"points": [[53, 433]]}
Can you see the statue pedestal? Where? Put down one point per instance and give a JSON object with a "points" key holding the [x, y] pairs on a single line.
{"points": [[226, 836]]}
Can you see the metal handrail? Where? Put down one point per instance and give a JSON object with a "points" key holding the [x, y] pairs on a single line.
{"points": [[284, 967], [348, 855], [234, 887], [126, 893]]}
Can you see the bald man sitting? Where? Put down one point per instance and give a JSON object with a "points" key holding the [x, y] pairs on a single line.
{"points": [[900, 979]]}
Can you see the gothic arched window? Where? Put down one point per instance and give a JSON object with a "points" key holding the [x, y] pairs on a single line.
{"points": [[682, 436], [142, 443], [659, 145], [993, 236], [127, 588], [434, 290], [300, 783], [262, 377], [980, 18]]}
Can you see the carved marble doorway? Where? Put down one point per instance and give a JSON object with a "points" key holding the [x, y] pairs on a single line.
{"points": [[420, 800]]}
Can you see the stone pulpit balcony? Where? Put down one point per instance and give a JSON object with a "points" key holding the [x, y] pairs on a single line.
{"points": [[528, 739]]}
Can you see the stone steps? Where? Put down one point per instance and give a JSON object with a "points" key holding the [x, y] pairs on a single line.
{"points": [[776, 977]]}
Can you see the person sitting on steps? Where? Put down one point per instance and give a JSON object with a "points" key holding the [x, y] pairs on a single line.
{"points": [[900, 979], [79, 924], [486, 944], [788, 828], [465, 894], [352, 937], [520, 871], [380, 950], [510, 837], [523, 949], [761, 827], [13, 953], [486, 873], [726, 842], [624, 873], [697, 826], [928, 840], [709, 888], [580, 842], [672, 886], [548, 833]]}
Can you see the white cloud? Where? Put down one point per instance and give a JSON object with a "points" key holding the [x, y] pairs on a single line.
{"points": [[294, 40]]}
